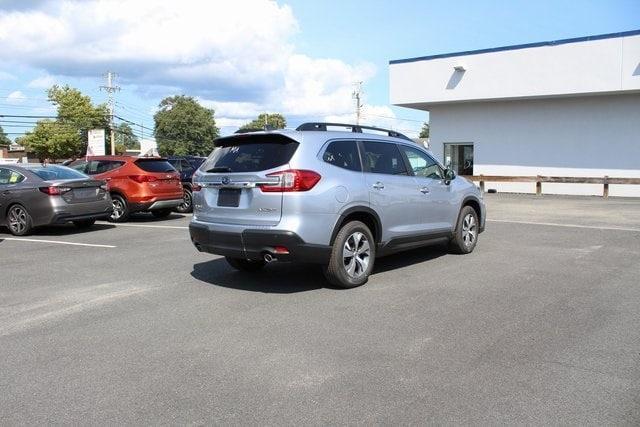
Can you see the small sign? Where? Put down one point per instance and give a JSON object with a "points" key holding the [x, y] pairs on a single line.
{"points": [[95, 147], [148, 148], [14, 147]]}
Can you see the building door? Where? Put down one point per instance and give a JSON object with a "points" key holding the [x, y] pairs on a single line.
{"points": [[459, 157]]}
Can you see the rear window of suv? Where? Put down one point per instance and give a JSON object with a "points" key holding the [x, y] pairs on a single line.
{"points": [[250, 153], [154, 165]]}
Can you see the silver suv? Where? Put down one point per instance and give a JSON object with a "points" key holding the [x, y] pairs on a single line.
{"points": [[337, 198]]}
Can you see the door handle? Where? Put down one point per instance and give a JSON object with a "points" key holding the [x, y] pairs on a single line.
{"points": [[424, 190], [378, 185], [6, 192]]}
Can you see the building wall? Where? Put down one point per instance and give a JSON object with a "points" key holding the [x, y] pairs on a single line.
{"points": [[577, 136], [587, 67]]}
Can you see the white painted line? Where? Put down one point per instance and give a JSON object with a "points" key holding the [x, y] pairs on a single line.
{"points": [[554, 224], [148, 226], [57, 242]]}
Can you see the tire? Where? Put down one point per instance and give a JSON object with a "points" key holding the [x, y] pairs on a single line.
{"points": [[84, 223], [161, 213], [347, 271], [187, 204], [465, 237], [19, 221], [245, 264], [120, 209]]}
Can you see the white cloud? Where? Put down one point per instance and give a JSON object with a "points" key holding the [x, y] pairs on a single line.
{"points": [[6, 76], [235, 56], [16, 97], [42, 82]]}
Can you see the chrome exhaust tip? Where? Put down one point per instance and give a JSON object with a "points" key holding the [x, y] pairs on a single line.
{"points": [[268, 258]]}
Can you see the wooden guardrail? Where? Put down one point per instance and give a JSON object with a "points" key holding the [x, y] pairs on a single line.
{"points": [[604, 181]]}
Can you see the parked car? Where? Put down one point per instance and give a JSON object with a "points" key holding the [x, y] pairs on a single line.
{"points": [[186, 166], [336, 198], [32, 195], [136, 184]]}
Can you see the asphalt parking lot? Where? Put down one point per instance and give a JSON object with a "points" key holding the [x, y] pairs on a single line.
{"points": [[129, 324]]}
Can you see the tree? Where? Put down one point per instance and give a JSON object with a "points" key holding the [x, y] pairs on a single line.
{"points": [[4, 139], [53, 140], [67, 135], [272, 121], [184, 127], [424, 132], [125, 137]]}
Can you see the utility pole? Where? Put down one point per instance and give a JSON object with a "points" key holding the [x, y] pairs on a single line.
{"points": [[111, 89], [357, 95]]}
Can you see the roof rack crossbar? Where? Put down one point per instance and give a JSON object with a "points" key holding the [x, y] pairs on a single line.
{"points": [[322, 126]]}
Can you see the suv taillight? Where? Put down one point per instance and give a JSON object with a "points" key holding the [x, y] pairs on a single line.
{"points": [[54, 191], [143, 178], [292, 180]]}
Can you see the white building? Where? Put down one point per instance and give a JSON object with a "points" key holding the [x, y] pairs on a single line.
{"points": [[562, 108]]}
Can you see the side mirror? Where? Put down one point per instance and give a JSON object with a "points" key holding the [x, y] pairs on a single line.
{"points": [[449, 175]]}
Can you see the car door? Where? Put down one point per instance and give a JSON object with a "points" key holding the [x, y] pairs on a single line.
{"points": [[392, 192], [11, 188], [436, 197]]}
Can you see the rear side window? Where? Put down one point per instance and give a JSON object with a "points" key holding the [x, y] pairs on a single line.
{"points": [[250, 153], [8, 176], [101, 166], [382, 157], [343, 154], [154, 165], [51, 173]]}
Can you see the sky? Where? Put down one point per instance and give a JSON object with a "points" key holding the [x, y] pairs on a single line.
{"points": [[245, 57]]}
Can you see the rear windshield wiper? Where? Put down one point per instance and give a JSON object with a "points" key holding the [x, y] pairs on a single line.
{"points": [[219, 169]]}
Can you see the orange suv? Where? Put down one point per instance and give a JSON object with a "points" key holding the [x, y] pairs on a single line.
{"points": [[136, 184]]}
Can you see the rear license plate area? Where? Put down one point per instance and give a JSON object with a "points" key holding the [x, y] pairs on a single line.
{"points": [[229, 197], [84, 193]]}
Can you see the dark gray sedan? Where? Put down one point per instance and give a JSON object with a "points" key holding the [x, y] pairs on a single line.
{"points": [[32, 195]]}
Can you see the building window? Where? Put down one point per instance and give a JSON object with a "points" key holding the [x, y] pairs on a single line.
{"points": [[459, 157]]}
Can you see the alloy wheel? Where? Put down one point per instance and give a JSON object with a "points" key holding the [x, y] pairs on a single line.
{"points": [[356, 255], [186, 202], [118, 209], [469, 230], [17, 219]]}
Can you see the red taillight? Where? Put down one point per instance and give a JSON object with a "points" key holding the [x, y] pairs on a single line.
{"points": [[143, 178], [54, 191], [280, 250], [292, 180], [196, 187]]}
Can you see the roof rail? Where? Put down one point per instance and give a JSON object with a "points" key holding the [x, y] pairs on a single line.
{"points": [[322, 126]]}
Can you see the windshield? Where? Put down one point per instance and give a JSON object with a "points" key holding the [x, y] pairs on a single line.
{"points": [[250, 153], [54, 172], [155, 165]]}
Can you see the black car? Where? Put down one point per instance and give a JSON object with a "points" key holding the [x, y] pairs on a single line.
{"points": [[186, 166]]}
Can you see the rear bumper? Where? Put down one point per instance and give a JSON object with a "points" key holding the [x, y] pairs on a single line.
{"points": [[64, 218], [254, 244], [157, 204]]}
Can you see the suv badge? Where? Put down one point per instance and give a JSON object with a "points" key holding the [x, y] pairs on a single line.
{"points": [[225, 180]]}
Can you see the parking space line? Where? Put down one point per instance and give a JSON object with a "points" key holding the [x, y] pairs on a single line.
{"points": [[554, 224], [57, 242], [149, 226]]}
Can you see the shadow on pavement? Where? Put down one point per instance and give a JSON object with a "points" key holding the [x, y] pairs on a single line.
{"points": [[61, 230], [148, 217], [287, 278], [405, 259]]}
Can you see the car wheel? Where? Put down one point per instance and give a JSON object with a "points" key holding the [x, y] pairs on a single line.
{"points": [[352, 256], [186, 205], [120, 211], [19, 221], [161, 213], [465, 237], [84, 223], [245, 264]]}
